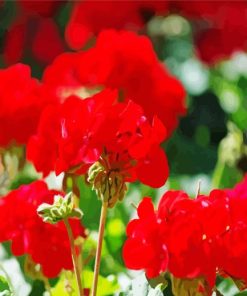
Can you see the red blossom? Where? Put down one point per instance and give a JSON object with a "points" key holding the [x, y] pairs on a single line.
{"points": [[125, 61], [47, 244], [220, 26], [73, 135], [194, 235], [144, 248], [61, 76], [33, 32], [69, 132], [21, 103], [194, 228], [233, 255], [128, 62], [89, 18], [38, 7], [33, 36]]}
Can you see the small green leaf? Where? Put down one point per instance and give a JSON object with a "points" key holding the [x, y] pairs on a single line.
{"points": [[106, 286], [4, 287]]}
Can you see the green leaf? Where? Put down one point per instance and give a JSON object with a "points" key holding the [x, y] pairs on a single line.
{"points": [[106, 286], [4, 287]]}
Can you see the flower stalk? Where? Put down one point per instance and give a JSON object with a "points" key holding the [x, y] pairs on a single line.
{"points": [[61, 210], [103, 216], [110, 188], [47, 285], [74, 258]]}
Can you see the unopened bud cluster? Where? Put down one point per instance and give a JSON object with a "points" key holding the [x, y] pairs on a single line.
{"points": [[109, 185], [62, 208]]}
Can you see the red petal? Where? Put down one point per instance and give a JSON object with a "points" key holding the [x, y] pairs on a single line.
{"points": [[154, 171]]}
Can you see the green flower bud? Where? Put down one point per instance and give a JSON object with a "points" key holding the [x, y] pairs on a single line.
{"points": [[94, 170], [62, 208], [232, 147], [109, 185]]}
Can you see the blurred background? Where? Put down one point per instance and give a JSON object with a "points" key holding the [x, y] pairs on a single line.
{"points": [[203, 43]]}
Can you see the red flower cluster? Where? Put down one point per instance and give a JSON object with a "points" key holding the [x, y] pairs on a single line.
{"points": [[191, 237], [221, 26], [21, 104], [39, 7], [234, 258], [89, 18], [145, 247], [47, 244], [72, 135], [77, 133], [127, 62], [34, 32]]}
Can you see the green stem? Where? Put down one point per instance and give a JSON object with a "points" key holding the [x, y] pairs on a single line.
{"points": [[81, 262], [74, 258], [218, 174], [47, 285], [99, 247]]}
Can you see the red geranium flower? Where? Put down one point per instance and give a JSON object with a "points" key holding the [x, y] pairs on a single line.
{"points": [[74, 135], [37, 7], [218, 25], [233, 255], [187, 232], [194, 227], [30, 36], [47, 244], [144, 248], [89, 18], [126, 62], [21, 103]]}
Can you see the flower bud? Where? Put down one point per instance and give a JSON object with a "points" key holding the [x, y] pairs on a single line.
{"points": [[62, 208], [109, 185], [232, 147]]}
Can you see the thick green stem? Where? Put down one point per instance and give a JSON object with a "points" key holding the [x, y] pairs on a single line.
{"points": [[99, 247], [74, 258]]}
